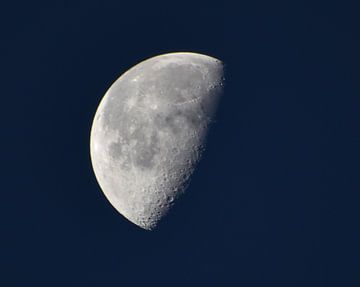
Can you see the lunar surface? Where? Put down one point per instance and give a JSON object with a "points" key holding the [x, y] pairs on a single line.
{"points": [[150, 130]]}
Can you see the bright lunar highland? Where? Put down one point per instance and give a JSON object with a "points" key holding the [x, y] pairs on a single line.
{"points": [[150, 130]]}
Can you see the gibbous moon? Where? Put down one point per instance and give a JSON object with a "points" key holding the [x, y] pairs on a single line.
{"points": [[149, 132]]}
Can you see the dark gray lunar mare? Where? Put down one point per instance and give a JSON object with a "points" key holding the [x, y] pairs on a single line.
{"points": [[149, 132]]}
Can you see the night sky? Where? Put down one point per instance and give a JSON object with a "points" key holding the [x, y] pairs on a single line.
{"points": [[275, 200]]}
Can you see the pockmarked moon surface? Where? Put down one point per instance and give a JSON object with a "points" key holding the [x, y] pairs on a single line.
{"points": [[149, 132]]}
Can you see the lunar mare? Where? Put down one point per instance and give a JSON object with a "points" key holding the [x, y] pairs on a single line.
{"points": [[149, 132]]}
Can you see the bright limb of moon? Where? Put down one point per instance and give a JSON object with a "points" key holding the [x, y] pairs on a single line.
{"points": [[149, 132]]}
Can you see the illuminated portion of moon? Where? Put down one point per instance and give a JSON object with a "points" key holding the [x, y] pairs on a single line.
{"points": [[149, 132]]}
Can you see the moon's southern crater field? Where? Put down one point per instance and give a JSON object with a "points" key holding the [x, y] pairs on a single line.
{"points": [[149, 132]]}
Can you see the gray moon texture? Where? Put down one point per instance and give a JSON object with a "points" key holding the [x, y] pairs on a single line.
{"points": [[150, 130]]}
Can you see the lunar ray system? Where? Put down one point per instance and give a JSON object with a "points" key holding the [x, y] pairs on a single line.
{"points": [[149, 132]]}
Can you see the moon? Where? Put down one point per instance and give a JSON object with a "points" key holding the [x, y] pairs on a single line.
{"points": [[149, 132]]}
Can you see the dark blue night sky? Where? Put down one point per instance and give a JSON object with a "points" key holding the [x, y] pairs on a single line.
{"points": [[275, 200]]}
